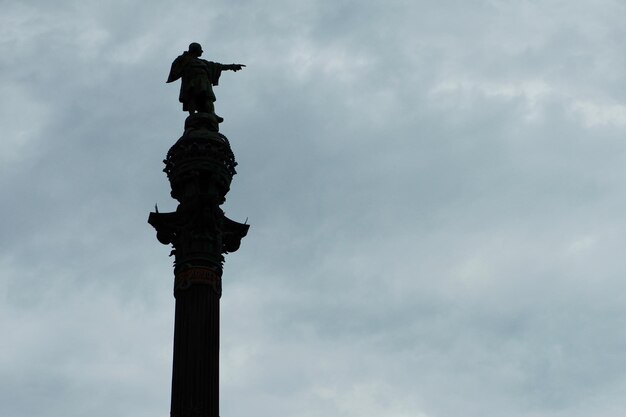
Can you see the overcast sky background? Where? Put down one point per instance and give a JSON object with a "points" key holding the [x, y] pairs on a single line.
{"points": [[435, 188]]}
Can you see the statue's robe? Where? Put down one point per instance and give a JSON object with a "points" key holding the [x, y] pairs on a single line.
{"points": [[198, 76]]}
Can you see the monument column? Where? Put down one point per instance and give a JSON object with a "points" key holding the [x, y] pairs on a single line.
{"points": [[200, 167]]}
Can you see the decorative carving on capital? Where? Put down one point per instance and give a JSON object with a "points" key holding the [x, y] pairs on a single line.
{"points": [[200, 159], [200, 276], [199, 234], [200, 167]]}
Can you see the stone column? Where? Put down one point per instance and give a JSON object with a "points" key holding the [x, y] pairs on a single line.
{"points": [[200, 167]]}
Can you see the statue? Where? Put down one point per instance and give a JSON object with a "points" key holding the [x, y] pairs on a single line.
{"points": [[200, 167], [198, 76]]}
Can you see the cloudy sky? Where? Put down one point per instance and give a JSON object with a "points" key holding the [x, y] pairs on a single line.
{"points": [[436, 193]]}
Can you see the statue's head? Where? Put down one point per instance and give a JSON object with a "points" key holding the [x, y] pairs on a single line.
{"points": [[195, 49]]}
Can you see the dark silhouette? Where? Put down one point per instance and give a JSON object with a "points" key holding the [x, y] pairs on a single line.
{"points": [[200, 167], [198, 76]]}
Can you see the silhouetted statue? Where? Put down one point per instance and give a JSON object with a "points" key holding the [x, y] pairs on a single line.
{"points": [[198, 76]]}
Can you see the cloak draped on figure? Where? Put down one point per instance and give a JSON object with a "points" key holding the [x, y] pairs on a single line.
{"points": [[198, 76]]}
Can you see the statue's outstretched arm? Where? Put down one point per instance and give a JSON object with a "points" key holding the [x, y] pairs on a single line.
{"points": [[233, 67]]}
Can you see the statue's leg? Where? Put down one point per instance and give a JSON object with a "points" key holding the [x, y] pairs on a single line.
{"points": [[196, 104], [192, 107], [211, 110], [208, 104]]}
